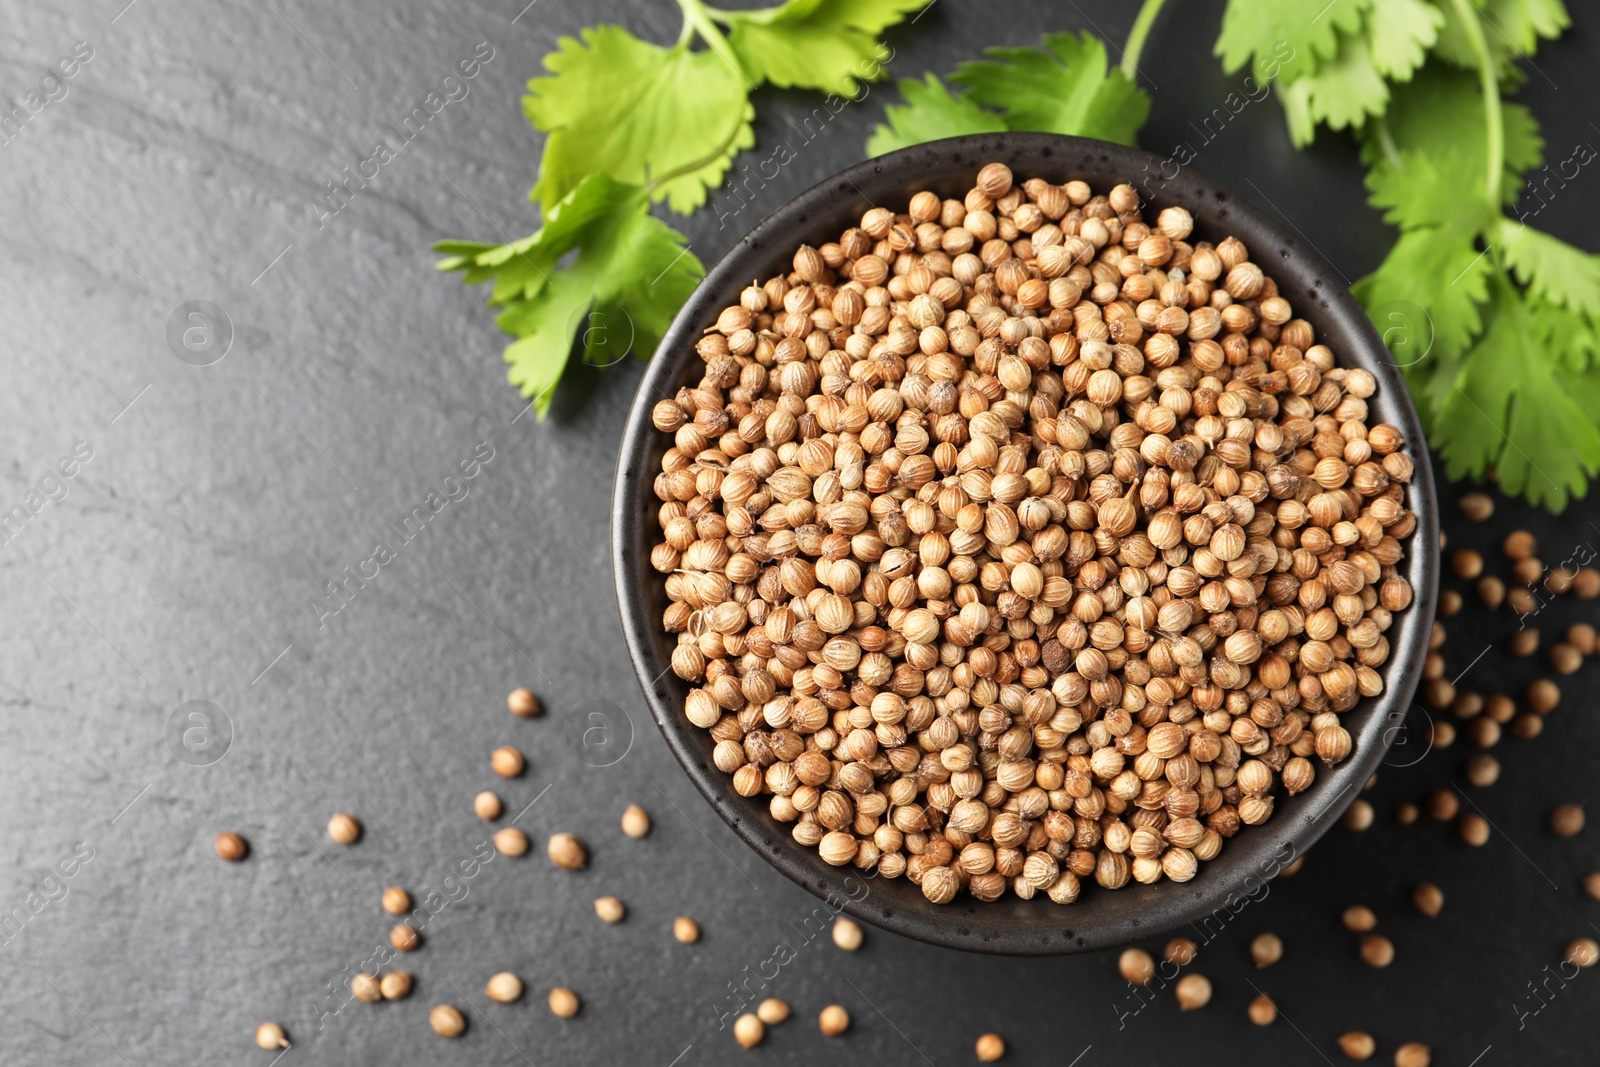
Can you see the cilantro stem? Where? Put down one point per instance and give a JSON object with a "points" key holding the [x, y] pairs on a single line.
{"points": [[1386, 144], [1136, 37], [1491, 100], [697, 17]]}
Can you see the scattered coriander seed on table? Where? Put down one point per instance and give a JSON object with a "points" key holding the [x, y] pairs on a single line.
{"points": [[1440, 735], [1525, 643], [503, 988], [1358, 816], [748, 1030], [1359, 918], [1586, 584], [1193, 991], [1377, 950], [685, 930], [1527, 725], [1406, 813], [344, 829], [1413, 1054], [510, 841], [487, 806], [1519, 544], [507, 761], [833, 1021], [1474, 829], [1492, 591], [230, 846], [524, 704], [772, 1011], [1266, 949], [563, 1002], [1443, 805], [1483, 732], [366, 988], [1466, 563], [635, 821], [1181, 950], [609, 909], [846, 933], [1482, 770], [1565, 658], [271, 1036], [566, 852], [1591, 885], [396, 901], [396, 985], [1357, 1045], [404, 938], [1136, 966], [1428, 899], [446, 1021], [990, 1047], [1567, 819], [1583, 952], [1582, 636], [1543, 696], [1263, 1011], [1476, 506]]}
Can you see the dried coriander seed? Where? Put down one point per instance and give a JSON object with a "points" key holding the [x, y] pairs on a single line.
{"points": [[1358, 918], [524, 704], [748, 1030], [365, 988], [271, 1036], [1525, 642], [1519, 544], [344, 829], [567, 852], [1263, 1011], [990, 1047], [1137, 966], [1591, 885], [1583, 952], [447, 1021], [1266, 949], [1543, 696], [396, 901], [1527, 725], [635, 821], [230, 846], [1376, 950], [847, 933], [507, 761], [563, 1002], [1482, 770], [833, 1021], [1565, 658], [1428, 899], [1582, 636], [1413, 1054], [396, 985], [1586, 584], [772, 1011], [685, 930], [1474, 829], [1359, 815], [404, 938], [1442, 805], [1476, 506], [1193, 992], [1406, 813], [1491, 591], [1466, 563], [1357, 1045], [1567, 819], [487, 806], [610, 909], [1181, 951], [510, 841], [503, 988]]}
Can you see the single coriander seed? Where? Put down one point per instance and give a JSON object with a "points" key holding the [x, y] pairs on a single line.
{"points": [[1266, 949], [685, 930], [1474, 829], [1567, 819], [990, 1048], [271, 1036], [846, 933], [1181, 951], [1586, 585], [1406, 813], [1519, 544], [396, 985], [1476, 506], [566, 852], [609, 909], [1442, 805], [1377, 950], [1137, 966], [1583, 952], [524, 704], [1482, 770], [563, 1002], [366, 988], [404, 938], [833, 1021], [1193, 992], [344, 829], [635, 821], [1591, 885], [396, 901], [446, 1021], [1413, 1054], [1263, 1011], [1466, 563], [1358, 816], [748, 1030], [503, 988], [1357, 1045], [507, 761], [772, 1011], [511, 841], [1428, 899], [487, 806], [1565, 658], [1525, 642], [1359, 918], [230, 846]]}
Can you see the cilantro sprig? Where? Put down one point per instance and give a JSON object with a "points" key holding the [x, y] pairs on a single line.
{"points": [[629, 123]]}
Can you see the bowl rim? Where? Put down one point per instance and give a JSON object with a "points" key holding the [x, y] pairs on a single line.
{"points": [[1242, 872]]}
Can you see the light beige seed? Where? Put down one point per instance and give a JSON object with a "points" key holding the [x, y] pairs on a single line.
{"points": [[507, 761], [685, 930], [511, 841], [503, 988], [487, 806], [1357, 1045], [404, 938], [833, 1021], [610, 909], [847, 933], [990, 1047], [1193, 992], [344, 829], [396, 985], [1136, 966], [1377, 950], [563, 1002], [566, 852], [1359, 918], [772, 1011], [748, 1030], [396, 901], [1428, 898], [446, 1021], [1567, 819], [1263, 1012], [1266, 949], [230, 846], [1583, 952], [366, 988], [1413, 1054], [271, 1036], [635, 821]]}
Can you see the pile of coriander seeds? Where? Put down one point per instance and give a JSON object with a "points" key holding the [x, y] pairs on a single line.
{"points": [[1016, 541]]}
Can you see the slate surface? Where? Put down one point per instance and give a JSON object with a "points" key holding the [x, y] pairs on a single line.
{"points": [[184, 561]]}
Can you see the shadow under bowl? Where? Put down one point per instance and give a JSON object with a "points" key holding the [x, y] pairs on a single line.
{"points": [[1100, 918]]}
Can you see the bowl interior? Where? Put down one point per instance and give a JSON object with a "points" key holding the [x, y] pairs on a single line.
{"points": [[1100, 918]]}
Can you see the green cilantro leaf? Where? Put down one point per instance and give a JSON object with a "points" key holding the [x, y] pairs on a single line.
{"points": [[1399, 33], [1553, 270], [1419, 190], [1065, 88], [1442, 272], [1345, 89], [930, 112], [629, 273], [636, 111], [816, 44], [1511, 29], [1311, 28]]}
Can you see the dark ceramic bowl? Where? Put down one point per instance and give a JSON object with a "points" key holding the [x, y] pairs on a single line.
{"points": [[1099, 919]]}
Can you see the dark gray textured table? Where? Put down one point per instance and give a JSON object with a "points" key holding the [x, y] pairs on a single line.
{"points": [[187, 561]]}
